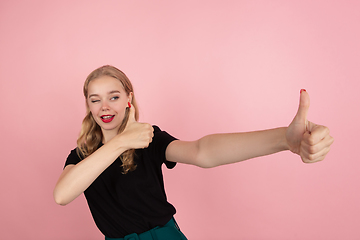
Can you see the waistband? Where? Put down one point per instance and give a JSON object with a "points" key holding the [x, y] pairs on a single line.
{"points": [[170, 230]]}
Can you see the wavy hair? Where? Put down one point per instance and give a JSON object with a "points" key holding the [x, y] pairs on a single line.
{"points": [[91, 135]]}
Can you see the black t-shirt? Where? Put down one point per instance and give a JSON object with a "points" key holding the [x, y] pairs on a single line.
{"points": [[135, 202]]}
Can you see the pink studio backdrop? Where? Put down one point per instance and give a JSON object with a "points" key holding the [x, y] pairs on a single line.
{"points": [[198, 67]]}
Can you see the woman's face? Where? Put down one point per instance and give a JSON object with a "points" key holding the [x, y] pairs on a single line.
{"points": [[107, 101]]}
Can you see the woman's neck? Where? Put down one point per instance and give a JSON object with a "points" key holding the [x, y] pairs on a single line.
{"points": [[108, 135]]}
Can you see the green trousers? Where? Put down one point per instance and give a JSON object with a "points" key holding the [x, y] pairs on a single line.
{"points": [[170, 231]]}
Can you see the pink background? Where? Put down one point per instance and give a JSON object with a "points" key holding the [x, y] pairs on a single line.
{"points": [[198, 67]]}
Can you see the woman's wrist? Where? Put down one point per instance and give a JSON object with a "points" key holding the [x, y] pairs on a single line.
{"points": [[118, 144], [283, 144]]}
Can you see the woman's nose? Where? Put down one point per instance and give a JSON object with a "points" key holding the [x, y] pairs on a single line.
{"points": [[105, 106]]}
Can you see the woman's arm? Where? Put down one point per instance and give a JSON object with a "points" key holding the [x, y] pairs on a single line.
{"points": [[312, 142], [220, 149], [75, 179]]}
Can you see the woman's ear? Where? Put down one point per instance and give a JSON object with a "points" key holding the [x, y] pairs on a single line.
{"points": [[130, 97]]}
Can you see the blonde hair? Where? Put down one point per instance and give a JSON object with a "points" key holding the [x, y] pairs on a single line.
{"points": [[91, 135]]}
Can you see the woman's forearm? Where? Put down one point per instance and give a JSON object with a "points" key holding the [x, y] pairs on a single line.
{"points": [[220, 149], [75, 179]]}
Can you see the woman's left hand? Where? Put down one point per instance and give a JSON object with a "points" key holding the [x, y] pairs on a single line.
{"points": [[309, 140]]}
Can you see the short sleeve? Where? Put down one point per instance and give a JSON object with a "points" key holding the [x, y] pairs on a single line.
{"points": [[73, 158], [160, 141]]}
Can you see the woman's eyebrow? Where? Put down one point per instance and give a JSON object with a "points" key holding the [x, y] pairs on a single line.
{"points": [[93, 95], [96, 95], [115, 91]]}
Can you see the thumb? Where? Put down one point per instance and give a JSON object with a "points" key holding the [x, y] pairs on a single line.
{"points": [[131, 113], [304, 104]]}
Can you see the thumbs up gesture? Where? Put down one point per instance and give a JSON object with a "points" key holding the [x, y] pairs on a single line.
{"points": [[136, 135], [309, 140]]}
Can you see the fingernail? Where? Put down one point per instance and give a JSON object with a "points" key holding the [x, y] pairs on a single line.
{"points": [[302, 90], [129, 104]]}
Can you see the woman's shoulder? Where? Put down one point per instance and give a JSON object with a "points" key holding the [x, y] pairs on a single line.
{"points": [[161, 137], [74, 157], [156, 128]]}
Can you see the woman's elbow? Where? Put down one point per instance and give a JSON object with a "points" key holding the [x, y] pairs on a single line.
{"points": [[204, 162], [59, 198]]}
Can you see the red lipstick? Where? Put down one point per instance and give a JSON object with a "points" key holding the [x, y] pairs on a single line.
{"points": [[107, 118]]}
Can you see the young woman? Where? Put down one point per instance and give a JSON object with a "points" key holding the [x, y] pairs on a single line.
{"points": [[117, 162]]}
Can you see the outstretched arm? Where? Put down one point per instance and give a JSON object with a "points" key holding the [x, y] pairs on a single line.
{"points": [[310, 141]]}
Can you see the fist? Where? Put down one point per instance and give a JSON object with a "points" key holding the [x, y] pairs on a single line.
{"points": [[311, 141], [136, 135]]}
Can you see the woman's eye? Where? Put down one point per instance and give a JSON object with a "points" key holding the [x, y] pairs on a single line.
{"points": [[115, 98], [95, 101]]}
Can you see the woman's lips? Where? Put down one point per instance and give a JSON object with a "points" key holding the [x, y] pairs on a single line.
{"points": [[107, 118]]}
